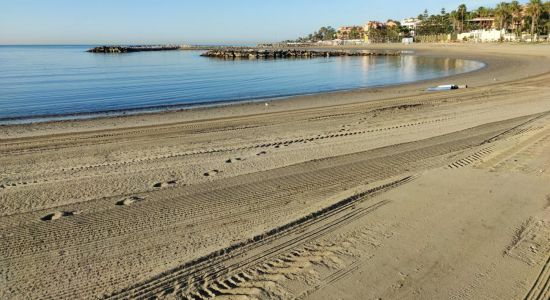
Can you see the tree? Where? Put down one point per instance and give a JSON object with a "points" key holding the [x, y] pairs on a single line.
{"points": [[503, 15], [534, 9], [454, 20], [435, 24], [424, 15], [517, 17], [323, 34], [547, 16], [384, 35], [462, 11], [482, 12], [355, 33]]}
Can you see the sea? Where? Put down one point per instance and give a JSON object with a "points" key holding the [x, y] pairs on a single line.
{"points": [[41, 83]]}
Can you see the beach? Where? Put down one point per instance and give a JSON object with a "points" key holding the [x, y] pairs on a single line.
{"points": [[379, 193]]}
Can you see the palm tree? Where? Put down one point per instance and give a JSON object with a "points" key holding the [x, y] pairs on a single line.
{"points": [[455, 19], [482, 12], [462, 11], [534, 9], [547, 6], [517, 17], [503, 14]]}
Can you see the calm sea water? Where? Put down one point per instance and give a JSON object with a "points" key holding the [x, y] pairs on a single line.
{"points": [[38, 81]]}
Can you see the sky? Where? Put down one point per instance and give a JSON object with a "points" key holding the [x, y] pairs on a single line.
{"points": [[87, 22]]}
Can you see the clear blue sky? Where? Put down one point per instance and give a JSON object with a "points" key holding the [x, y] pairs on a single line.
{"points": [[193, 21]]}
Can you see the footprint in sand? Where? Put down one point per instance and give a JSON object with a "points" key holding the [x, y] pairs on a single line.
{"points": [[59, 214], [129, 201], [232, 160], [165, 184], [211, 173]]}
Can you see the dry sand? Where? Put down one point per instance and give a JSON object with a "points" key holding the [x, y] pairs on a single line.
{"points": [[387, 193]]}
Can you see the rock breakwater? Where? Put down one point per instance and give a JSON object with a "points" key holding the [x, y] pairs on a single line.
{"points": [[127, 49], [282, 54]]}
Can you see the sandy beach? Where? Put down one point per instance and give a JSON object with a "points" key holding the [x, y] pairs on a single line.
{"points": [[380, 193]]}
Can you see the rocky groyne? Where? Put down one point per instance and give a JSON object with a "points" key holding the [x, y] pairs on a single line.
{"points": [[128, 49], [291, 53]]}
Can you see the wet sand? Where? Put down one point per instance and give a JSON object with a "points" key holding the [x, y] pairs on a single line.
{"points": [[384, 193]]}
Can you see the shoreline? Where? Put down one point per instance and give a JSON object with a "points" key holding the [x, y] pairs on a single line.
{"points": [[38, 119], [500, 63]]}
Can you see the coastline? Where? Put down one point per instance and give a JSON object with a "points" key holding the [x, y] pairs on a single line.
{"points": [[29, 120], [215, 99], [434, 195], [500, 64]]}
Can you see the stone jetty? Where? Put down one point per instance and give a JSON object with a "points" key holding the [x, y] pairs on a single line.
{"points": [[128, 49], [291, 53]]}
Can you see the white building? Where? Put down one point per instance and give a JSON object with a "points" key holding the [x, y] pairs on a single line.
{"points": [[493, 35], [407, 41], [482, 35], [412, 24]]}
